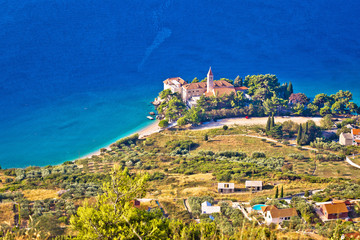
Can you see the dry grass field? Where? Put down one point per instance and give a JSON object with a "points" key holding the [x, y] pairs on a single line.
{"points": [[40, 194]]}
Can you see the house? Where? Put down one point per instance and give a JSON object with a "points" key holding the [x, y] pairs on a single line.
{"points": [[274, 215], [207, 208], [254, 186], [174, 84], [334, 210], [226, 187], [135, 203], [191, 92], [356, 136], [346, 139]]}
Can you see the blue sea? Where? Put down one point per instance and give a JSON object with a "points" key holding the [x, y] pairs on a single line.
{"points": [[77, 75]]}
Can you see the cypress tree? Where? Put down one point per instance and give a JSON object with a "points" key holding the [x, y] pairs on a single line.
{"points": [[306, 131], [290, 89], [282, 192], [268, 124], [276, 192], [299, 135], [272, 124]]}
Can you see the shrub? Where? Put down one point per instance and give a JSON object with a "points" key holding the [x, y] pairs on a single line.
{"points": [[225, 127], [163, 123], [258, 155]]}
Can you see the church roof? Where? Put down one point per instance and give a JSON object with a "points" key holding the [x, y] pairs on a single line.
{"points": [[210, 72]]}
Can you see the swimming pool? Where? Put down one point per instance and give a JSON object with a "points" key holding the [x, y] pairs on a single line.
{"points": [[257, 207]]}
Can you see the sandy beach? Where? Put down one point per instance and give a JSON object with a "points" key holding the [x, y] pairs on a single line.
{"points": [[154, 128], [254, 121], [148, 130]]}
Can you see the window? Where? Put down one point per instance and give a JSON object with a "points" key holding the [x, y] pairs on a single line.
{"points": [[226, 185]]}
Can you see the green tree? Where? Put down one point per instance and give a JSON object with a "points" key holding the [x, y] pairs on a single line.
{"points": [[299, 135], [276, 192], [181, 121], [238, 82], [163, 94], [272, 123], [206, 137], [282, 192], [195, 80], [325, 110], [113, 216], [163, 123], [268, 124], [326, 122], [289, 89]]}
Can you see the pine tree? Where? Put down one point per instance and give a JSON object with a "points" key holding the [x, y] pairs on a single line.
{"points": [[276, 192], [282, 192], [272, 123], [290, 89], [268, 124], [299, 135]]}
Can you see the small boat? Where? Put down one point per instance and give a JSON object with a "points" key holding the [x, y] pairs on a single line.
{"points": [[151, 118], [151, 113]]}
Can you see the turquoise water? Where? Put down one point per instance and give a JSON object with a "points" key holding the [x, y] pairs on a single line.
{"points": [[257, 207], [76, 75]]}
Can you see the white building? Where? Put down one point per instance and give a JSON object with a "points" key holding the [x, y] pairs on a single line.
{"points": [[226, 187], [352, 138], [254, 186], [346, 139], [274, 215], [207, 208], [191, 92]]}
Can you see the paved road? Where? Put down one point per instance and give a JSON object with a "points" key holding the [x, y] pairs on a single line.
{"points": [[348, 160]]}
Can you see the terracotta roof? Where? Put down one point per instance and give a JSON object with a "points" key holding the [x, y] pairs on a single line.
{"points": [[336, 207], [267, 208], [241, 88], [222, 83], [178, 79], [287, 212], [224, 91], [217, 84], [357, 140], [355, 131], [195, 85], [210, 72]]}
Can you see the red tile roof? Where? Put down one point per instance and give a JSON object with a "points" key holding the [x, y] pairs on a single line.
{"points": [[241, 88], [178, 79], [355, 131], [217, 84], [278, 213], [336, 207]]}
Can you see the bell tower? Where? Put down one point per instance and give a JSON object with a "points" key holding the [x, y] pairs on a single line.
{"points": [[210, 81]]}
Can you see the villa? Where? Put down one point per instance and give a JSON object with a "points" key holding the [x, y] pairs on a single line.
{"points": [[334, 210], [191, 92], [274, 215]]}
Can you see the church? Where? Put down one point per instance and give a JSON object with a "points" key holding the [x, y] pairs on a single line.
{"points": [[191, 92]]}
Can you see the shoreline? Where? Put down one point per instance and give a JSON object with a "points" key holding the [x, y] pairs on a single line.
{"points": [[143, 132], [154, 128]]}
